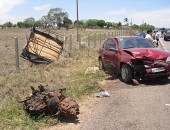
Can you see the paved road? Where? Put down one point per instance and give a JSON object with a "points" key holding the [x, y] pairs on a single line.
{"points": [[165, 44], [142, 107]]}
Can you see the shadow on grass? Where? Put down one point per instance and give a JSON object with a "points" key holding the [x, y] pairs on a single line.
{"points": [[110, 70], [64, 119], [52, 120]]}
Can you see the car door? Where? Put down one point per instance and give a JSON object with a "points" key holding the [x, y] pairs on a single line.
{"points": [[111, 55]]}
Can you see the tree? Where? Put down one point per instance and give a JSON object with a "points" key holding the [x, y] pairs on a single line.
{"points": [[38, 23], [109, 24], [91, 23], [20, 24], [119, 25], [146, 27], [126, 21], [101, 23], [8, 24], [135, 27], [14, 25], [56, 17], [143, 27], [67, 22], [81, 23], [29, 22], [45, 21]]}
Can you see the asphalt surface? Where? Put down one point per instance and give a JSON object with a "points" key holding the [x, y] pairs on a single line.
{"points": [[142, 107]]}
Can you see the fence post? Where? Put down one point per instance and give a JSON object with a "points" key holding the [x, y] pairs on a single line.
{"points": [[112, 34], [104, 36], [16, 53], [94, 39], [88, 40], [70, 42], [79, 40], [100, 39], [65, 40]]}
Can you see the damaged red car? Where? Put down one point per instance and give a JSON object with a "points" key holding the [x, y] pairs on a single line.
{"points": [[134, 58]]}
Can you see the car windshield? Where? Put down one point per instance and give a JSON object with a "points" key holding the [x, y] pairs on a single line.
{"points": [[168, 31], [134, 42]]}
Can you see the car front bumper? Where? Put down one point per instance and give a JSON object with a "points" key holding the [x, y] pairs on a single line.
{"points": [[157, 71], [167, 37]]}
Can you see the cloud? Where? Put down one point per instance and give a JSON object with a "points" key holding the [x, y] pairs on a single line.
{"points": [[41, 7], [158, 18], [6, 7], [117, 12]]}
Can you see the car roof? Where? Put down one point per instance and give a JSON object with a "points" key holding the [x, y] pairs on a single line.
{"points": [[127, 37]]}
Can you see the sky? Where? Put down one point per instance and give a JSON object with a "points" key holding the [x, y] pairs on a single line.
{"points": [[154, 12]]}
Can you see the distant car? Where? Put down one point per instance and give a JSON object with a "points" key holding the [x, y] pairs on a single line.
{"points": [[167, 35], [134, 58], [141, 34]]}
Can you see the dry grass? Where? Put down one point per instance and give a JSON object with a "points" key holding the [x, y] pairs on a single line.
{"points": [[66, 72]]}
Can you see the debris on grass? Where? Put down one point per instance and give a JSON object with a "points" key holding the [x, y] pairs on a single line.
{"points": [[102, 94], [49, 102], [167, 105], [91, 70], [43, 46]]}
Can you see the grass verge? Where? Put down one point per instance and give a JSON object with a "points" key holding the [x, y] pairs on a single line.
{"points": [[66, 72]]}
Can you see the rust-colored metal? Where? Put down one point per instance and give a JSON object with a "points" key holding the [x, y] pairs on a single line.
{"points": [[50, 101]]}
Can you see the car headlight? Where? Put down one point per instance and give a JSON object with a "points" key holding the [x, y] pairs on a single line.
{"points": [[168, 59]]}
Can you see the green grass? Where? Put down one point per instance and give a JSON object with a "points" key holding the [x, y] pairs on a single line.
{"points": [[66, 72]]}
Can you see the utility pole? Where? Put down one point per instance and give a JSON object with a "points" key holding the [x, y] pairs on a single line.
{"points": [[77, 20]]}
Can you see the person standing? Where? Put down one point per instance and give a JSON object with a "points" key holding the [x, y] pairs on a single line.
{"points": [[149, 37], [154, 35], [157, 37]]}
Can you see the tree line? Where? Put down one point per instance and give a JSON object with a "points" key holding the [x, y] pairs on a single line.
{"points": [[58, 18]]}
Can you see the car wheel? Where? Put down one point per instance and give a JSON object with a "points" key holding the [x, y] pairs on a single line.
{"points": [[126, 73], [101, 65], [165, 39]]}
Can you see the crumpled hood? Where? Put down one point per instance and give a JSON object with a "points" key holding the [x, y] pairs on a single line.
{"points": [[148, 53]]}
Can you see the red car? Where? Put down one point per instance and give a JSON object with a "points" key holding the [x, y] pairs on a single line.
{"points": [[134, 58]]}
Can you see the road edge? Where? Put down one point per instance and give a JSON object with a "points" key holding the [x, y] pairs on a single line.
{"points": [[162, 45]]}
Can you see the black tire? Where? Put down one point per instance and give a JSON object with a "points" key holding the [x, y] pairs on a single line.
{"points": [[101, 65], [165, 39], [126, 73]]}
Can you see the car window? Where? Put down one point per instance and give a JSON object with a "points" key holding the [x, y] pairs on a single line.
{"points": [[168, 31], [132, 42], [110, 44]]}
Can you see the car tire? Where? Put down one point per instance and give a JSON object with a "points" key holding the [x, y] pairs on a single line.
{"points": [[126, 73], [101, 65], [165, 39]]}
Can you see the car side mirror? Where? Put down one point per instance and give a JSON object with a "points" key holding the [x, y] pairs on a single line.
{"points": [[113, 49]]}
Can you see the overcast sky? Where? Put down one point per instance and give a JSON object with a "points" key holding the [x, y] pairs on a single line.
{"points": [[154, 12]]}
